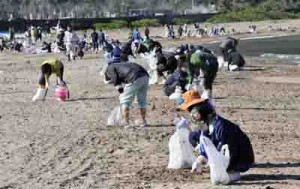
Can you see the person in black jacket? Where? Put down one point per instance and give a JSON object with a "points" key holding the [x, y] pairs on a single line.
{"points": [[95, 38], [102, 38], [224, 134], [235, 60], [165, 63], [136, 81], [178, 78], [229, 43]]}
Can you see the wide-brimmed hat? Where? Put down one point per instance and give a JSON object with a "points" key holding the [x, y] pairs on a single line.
{"points": [[190, 98]]}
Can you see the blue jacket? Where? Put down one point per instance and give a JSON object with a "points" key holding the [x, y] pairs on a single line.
{"points": [[115, 55], [177, 78], [222, 132], [136, 36]]}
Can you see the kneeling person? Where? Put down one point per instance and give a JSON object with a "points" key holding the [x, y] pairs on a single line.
{"points": [[236, 61], [224, 134]]}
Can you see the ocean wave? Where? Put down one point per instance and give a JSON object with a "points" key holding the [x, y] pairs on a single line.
{"points": [[263, 37], [293, 58], [281, 56]]}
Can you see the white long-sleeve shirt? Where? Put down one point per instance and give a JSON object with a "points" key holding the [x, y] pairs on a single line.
{"points": [[71, 37]]}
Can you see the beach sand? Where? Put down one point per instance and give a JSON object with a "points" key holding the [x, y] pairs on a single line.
{"points": [[56, 144]]}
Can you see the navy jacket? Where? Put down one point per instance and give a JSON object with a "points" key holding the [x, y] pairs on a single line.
{"points": [[94, 36], [115, 55], [178, 78], [225, 132]]}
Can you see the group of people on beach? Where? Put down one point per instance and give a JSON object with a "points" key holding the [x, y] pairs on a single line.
{"points": [[192, 68]]}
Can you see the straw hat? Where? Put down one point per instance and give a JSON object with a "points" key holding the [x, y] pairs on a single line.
{"points": [[191, 98]]}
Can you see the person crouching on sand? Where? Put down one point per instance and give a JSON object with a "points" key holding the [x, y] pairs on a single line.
{"points": [[224, 134], [236, 61], [230, 54], [49, 67], [136, 81]]}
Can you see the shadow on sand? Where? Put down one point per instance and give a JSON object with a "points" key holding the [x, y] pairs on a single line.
{"points": [[277, 165], [90, 99], [274, 177], [268, 179]]}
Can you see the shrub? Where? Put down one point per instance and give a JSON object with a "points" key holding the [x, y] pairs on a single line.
{"points": [[251, 14], [115, 24], [145, 22]]}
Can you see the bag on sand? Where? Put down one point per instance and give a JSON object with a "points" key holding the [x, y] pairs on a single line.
{"points": [[217, 162], [180, 150], [115, 117]]}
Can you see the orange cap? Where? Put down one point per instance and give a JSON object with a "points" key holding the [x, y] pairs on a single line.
{"points": [[191, 98]]}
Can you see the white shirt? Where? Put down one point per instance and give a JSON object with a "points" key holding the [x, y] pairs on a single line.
{"points": [[71, 37]]}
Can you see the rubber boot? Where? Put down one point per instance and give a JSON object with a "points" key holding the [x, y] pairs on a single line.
{"points": [[143, 112]]}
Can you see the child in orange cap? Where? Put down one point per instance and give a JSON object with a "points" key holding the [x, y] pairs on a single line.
{"points": [[221, 132]]}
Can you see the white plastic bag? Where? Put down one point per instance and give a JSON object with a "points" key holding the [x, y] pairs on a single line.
{"points": [[152, 71], [152, 60], [180, 150], [115, 117], [177, 93], [217, 162], [222, 64], [153, 77]]}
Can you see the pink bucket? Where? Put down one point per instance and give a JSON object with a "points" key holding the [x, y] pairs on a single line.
{"points": [[62, 93]]}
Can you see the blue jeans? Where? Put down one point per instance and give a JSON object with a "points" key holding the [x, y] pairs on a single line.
{"points": [[138, 88]]}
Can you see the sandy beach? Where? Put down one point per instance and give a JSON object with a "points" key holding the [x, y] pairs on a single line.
{"points": [[56, 144]]}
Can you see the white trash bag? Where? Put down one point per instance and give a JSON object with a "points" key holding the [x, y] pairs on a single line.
{"points": [[217, 162], [180, 149], [115, 117], [177, 94], [152, 71], [222, 64], [153, 77]]}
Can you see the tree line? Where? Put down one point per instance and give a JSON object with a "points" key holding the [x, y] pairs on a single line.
{"points": [[53, 9]]}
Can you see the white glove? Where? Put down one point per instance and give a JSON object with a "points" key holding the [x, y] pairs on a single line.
{"points": [[107, 81], [196, 167], [183, 123], [176, 120], [197, 148]]}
